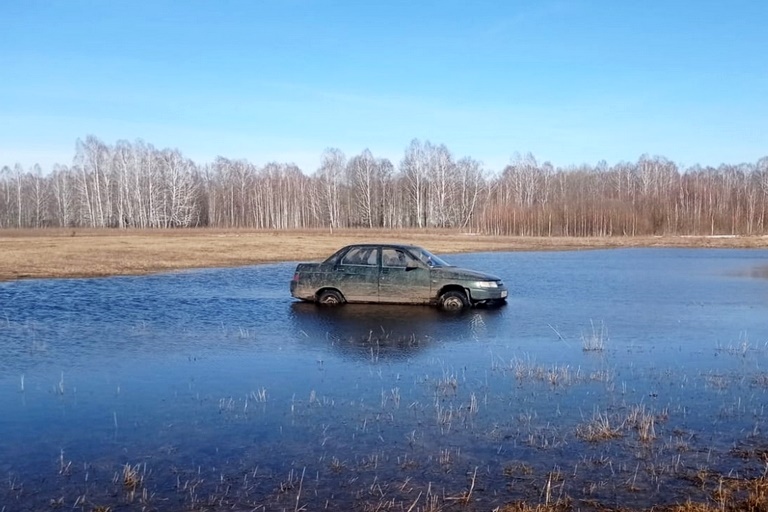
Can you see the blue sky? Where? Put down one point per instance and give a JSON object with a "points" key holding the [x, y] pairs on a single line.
{"points": [[571, 81]]}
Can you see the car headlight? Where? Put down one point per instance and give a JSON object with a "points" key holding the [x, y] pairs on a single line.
{"points": [[487, 284]]}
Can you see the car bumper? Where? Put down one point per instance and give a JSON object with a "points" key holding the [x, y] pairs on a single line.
{"points": [[302, 293], [483, 294]]}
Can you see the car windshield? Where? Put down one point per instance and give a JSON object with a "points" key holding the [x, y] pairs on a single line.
{"points": [[428, 258]]}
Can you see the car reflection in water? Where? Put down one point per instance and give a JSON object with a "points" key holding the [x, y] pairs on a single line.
{"points": [[760, 272], [377, 331], [754, 272]]}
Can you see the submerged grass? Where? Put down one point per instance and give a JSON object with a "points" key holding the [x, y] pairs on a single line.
{"points": [[599, 428], [429, 435], [595, 339], [443, 438], [334, 483], [423, 477]]}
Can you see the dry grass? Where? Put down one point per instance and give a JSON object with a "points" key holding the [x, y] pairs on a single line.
{"points": [[594, 341], [522, 506], [599, 428], [727, 495], [731, 494], [103, 252]]}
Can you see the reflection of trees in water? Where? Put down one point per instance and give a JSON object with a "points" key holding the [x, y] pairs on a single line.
{"points": [[759, 272], [373, 331]]}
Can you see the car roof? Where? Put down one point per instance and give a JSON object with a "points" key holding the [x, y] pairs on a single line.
{"points": [[384, 244]]}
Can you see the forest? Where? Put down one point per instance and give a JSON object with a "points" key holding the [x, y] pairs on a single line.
{"points": [[135, 185]]}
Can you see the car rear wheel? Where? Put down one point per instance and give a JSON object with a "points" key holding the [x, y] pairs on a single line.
{"points": [[453, 300], [330, 298]]}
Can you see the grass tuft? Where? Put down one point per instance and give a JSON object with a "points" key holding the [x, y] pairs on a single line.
{"points": [[598, 429], [594, 341]]}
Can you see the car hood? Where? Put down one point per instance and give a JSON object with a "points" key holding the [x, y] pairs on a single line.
{"points": [[463, 273]]}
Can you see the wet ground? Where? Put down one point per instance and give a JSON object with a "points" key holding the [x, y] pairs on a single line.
{"points": [[636, 377]]}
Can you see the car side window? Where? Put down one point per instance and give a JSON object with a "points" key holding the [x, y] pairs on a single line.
{"points": [[372, 257], [395, 258], [360, 256]]}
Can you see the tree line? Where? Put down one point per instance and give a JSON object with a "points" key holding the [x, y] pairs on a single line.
{"points": [[135, 185]]}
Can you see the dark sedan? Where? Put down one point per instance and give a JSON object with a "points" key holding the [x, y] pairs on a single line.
{"points": [[395, 274]]}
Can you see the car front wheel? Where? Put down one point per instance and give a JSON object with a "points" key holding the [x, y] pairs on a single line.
{"points": [[453, 300], [330, 298]]}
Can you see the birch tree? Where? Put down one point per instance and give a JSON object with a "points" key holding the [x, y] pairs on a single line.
{"points": [[329, 176], [365, 181], [414, 168]]}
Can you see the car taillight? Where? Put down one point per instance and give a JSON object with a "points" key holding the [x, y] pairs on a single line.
{"points": [[296, 277]]}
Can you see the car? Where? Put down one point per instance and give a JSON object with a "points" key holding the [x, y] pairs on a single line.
{"points": [[394, 274]]}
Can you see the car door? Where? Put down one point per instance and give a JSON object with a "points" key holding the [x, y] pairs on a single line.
{"points": [[403, 278], [357, 274]]}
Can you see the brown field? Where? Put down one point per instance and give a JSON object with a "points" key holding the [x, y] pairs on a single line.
{"points": [[49, 253]]}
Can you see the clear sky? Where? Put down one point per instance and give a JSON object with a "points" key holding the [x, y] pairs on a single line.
{"points": [[572, 81]]}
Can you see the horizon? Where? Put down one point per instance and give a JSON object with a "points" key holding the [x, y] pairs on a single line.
{"points": [[572, 83]]}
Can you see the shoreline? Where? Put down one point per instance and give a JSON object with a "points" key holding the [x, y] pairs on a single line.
{"points": [[80, 253]]}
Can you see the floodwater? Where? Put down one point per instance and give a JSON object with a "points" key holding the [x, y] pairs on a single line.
{"points": [[633, 377]]}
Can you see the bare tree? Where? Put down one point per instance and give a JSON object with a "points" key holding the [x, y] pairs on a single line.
{"points": [[180, 191], [471, 183], [6, 197], [415, 169], [329, 176], [442, 182], [133, 184], [364, 175], [63, 186]]}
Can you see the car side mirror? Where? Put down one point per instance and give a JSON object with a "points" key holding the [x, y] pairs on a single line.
{"points": [[411, 266]]}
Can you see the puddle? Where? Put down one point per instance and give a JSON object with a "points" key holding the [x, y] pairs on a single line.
{"points": [[628, 376]]}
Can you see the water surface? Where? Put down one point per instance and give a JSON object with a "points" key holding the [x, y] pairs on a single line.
{"points": [[214, 389]]}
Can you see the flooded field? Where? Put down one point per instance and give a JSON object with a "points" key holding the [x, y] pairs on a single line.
{"points": [[613, 379]]}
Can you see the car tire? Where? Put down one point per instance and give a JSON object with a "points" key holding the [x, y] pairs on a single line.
{"points": [[330, 298], [453, 300]]}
